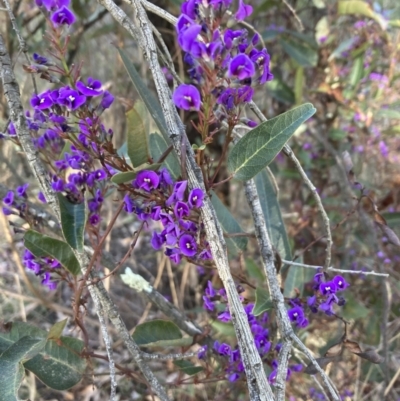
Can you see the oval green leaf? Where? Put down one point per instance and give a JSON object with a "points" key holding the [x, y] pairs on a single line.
{"points": [[157, 330], [303, 54], [137, 131], [260, 146], [73, 221], [42, 245]]}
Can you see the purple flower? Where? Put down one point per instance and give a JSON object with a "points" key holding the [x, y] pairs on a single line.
{"points": [[41, 197], [146, 180], [181, 209], [196, 197], [21, 191], [190, 8], [93, 87], [233, 377], [178, 193], [262, 59], [243, 11], [224, 316], [51, 285], [94, 219], [188, 40], [70, 98], [208, 304], [157, 241], [383, 149], [52, 5], [38, 59], [230, 37], [155, 213], [202, 352], [296, 314], [106, 100], [184, 23], [171, 234], [165, 177], [340, 283], [11, 129], [187, 97], [222, 349], [187, 245], [42, 101], [209, 291], [9, 198], [327, 288], [7, 211], [63, 16], [174, 254], [241, 67]]}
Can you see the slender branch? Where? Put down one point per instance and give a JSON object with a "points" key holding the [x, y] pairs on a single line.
{"points": [[169, 357], [332, 269], [289, 153], [108, 344], [21, 40], [11, 91], [259, 388]]}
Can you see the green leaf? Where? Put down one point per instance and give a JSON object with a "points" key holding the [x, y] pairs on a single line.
{"points": [[42, 245], [304, 55], [229, 225], [127, 176], [268, 196], [393, 219], [337, 134], [11, 368], [73, 221], [357, 70], [343, 47], [260, 146], [179, 342], [294, 279], [263, 301], [157, 330], [254, 270], [152, 104], [158, 146], [226, 329], [57, 329], [353, 308], [137, 131], [389, 113], [360, 7], [188, 367], [58, 365]]}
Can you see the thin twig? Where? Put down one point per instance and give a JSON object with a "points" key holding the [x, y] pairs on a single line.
{"points": [[332, 269], [21, 40], [293, 11], [170, 357]]}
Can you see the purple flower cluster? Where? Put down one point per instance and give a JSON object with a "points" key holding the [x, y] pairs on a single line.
{"points": [[325, 297], [210, 47], [41, 267], [258, 324], [15, 201], [177, 212]]}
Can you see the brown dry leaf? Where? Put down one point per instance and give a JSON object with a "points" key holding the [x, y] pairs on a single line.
{"points": [[370, 355], [379, 218], [389, 234], [335, 350], [352, 346]]}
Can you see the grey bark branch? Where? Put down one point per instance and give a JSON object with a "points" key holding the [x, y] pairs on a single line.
{"points": [[259, 388], [11, 92]]}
